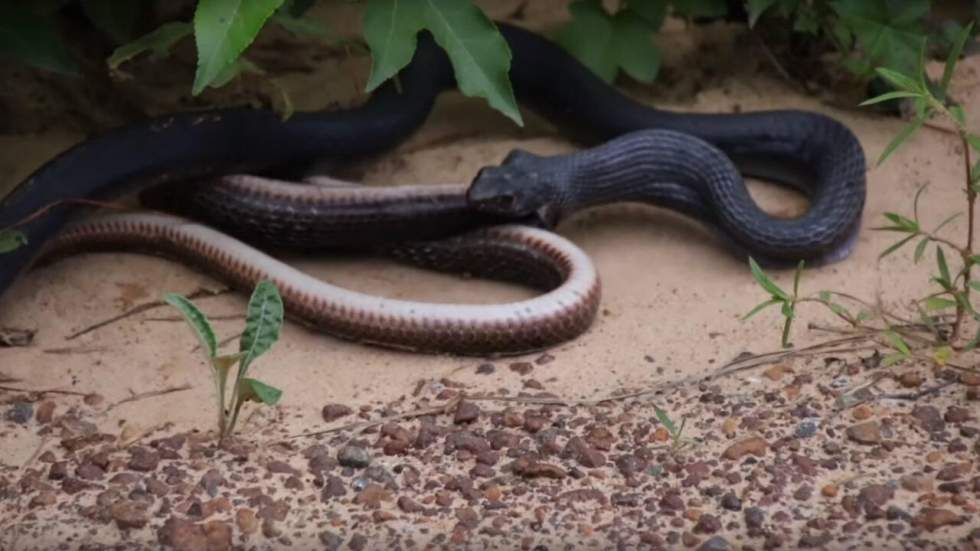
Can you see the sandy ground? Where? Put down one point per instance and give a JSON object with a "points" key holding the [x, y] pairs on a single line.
{"points": [[671, 307]]}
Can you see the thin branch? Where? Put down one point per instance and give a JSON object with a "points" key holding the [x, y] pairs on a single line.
{"points": [[149, 394], [139, 309], [43, 391]]}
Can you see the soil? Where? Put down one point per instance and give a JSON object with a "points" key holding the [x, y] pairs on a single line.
{"points": [[107, 437]]}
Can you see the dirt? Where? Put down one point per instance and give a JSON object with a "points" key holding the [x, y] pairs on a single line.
{"points": [[110, 442]]}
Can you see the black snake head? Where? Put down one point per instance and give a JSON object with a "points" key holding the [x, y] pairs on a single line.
{"points": [[522, 186]]}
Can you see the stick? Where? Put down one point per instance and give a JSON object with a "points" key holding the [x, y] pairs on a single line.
{"points": [[150, 394], [200, 293], [42, 391]]}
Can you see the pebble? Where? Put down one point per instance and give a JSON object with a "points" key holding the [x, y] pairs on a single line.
{"points": [[931, 518], [20, 412], [915, 483], [537, 469], [521, 368], [183, 534], [45, 412], [754, 517], [707, 524], [218, 534], [954, 471], [353, 456], [929, 418], [583, 453], [466, 412], [332, 412], [143, 459], [865, 433], [957, 414], [128, 514], [731, 502], [246, 520], [754, 445], [485, 368]]}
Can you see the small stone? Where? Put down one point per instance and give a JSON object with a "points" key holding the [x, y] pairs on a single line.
{"points": [[865, 433], [830, 490], [334, 487], [707, 524], [353, 456], [957, 414], [861, 413], [372, 495], [330, 540], [776, 372], [281, 467], [20, 412], [534, 469], [661, 434], [585, 455], [731, 502], [143, 459], [754, 517], [45, 412], [466, 412], [183, 535], [915, 483], [43, 499], [93, 399], [954, 471], [89, 471], [128, 514], [409, 505], [716, 543], [910, 379], [754, 445], [931, 518], [968, 378], [211, 480], [218, 534], [485, 368], [876, 494], [246, 520], [332, 412], [929, 418], [521, 368], [58, 470]]}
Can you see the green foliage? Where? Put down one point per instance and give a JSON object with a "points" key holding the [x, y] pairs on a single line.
{"points": [[159, 42], [479, 54], [954, 286], [11, 240], [676, 432], [222, 30], [615, 41], [263, 323]]}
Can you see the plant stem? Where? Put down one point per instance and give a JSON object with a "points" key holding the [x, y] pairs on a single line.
{"points": [[971, 199]]}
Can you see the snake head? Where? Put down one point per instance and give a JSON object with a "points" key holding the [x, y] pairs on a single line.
{"points": [[519, 187]]}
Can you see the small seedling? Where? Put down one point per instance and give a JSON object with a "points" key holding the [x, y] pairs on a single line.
{"points": [[677, 440], [894, 332], [262, 326]]}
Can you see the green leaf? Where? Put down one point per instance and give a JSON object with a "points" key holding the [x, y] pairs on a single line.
{"points": [[906, 132], [956, 111], [757, 8], [888, 31], [954, 55], [920, 249], [890, 96], [665, 420], [900, 81], [947, 221], [974, 141], [975, 173], [262, 323], [652, 11], [605, 43], [479, 54], [257, 391], [766, 283], [701, 8], [197, 320], [222, 30], [902, 223], [796, 278], [159, 42], [895, 246], [939, 303], [32, 38], [943, 267], [116, 19], [240, 66], [975, 285], [11, 240], [898, 343], [761, 307]]}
